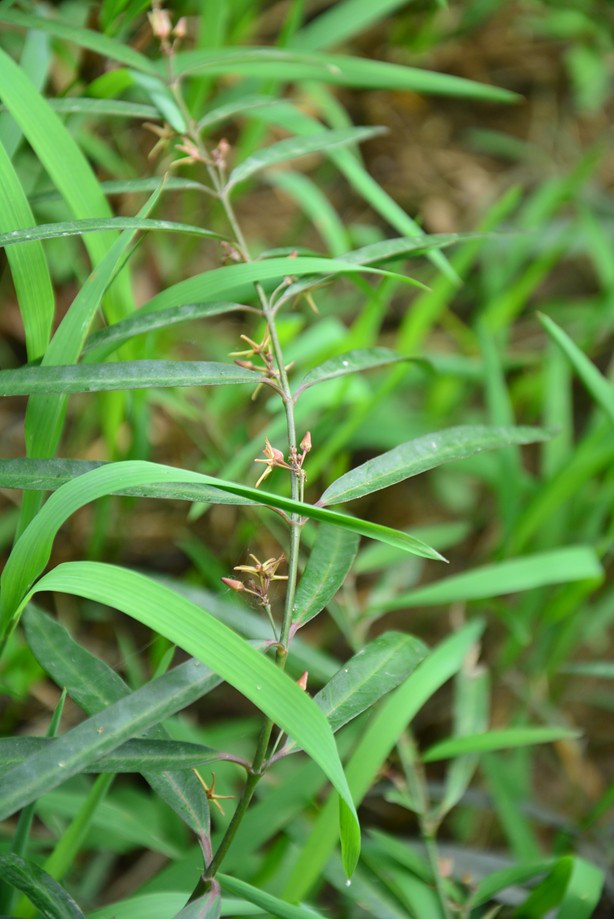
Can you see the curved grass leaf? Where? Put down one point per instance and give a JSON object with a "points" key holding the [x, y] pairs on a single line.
{"points": [[94, 685], [115, 335], [49, 475], [350, 362], [218, 647], [31, 552], [289, 66], [331, 558], [50, 899], [118, 108], [81, 227], [374, 671], [95, 41], [294, 147], [232, 280], [27, 263], [266, 901], [75, 378], [503, 739], [138, 755], [342, 21], [572, 884], [598, 386], [240, 106], [557, 566], [423, 453]]}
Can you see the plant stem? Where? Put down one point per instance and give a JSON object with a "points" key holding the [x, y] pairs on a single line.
{"points": [[258, 765]]}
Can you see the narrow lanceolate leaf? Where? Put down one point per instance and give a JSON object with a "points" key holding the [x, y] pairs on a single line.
{"points": [[374, 671], [350, 362], [330, 560], [338, 69], [416, 456], [27, 263], [115, 335], [86, 38], [94, 685], [31, 552], [118, 108], [294, 147], [81, 227], [496, 740], [598, 386], [236, 280], [218, 647], [557, 566], [132, 756], [75, 378], [131, 186], [266, 901], [50, 899], [49, 475], [75, 750]]}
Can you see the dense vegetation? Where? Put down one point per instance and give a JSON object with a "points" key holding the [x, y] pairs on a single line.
{"points": [[306, 312]]}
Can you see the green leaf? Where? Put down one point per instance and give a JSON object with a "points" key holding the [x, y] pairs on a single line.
{"points": [[316, 205], [218, 647], [374, 671], [132, 756], [597, 385], [350, 362], [206, 907], [132, 186], [236, 107], [596, 669], [102, 733], [115, 335], [86, 38], [291, 66], [233, 279], [497, 881], [557, 566], [342, 21], [294, 147], [44, 893], [423, 453], [331, 558], [376, 744], [119, 108], [266, 901], [94, 685], [27, 263], [80, 227], [496, 740], [31, 552], [75, 378], [573, 884], [49, 475]]}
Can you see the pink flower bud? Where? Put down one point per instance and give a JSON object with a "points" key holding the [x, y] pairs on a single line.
{"points": [[181, 28], [302, 681], [306, 442], [234, 584], [160, 22]]}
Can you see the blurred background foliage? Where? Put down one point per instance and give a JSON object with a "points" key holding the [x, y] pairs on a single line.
{"points": [[537, 177]]}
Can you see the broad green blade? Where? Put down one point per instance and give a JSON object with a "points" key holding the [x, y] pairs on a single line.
{"points": [[218, 647], [558, 566], [340, 70], [102, 733], [330, 560], [295, 147], [75, 378], [342, 21], [416, 456], [49, 475], [233, 280], [81, 227], [374, 671], [496, 740], [27, 263], [111, 337], [86, 38], [376, 744], [42, 891], [598, 386], [132, 756], [94, 685], [583, 893], [266, 901], [508, 877], [350, 362]]}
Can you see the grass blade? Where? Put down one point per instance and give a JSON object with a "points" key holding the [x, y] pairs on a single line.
{"points": [[266, 901], [207, 639], [43, 892], [81, 227], [76, 378], [416, 456], [294, 147], [490, 741]]}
